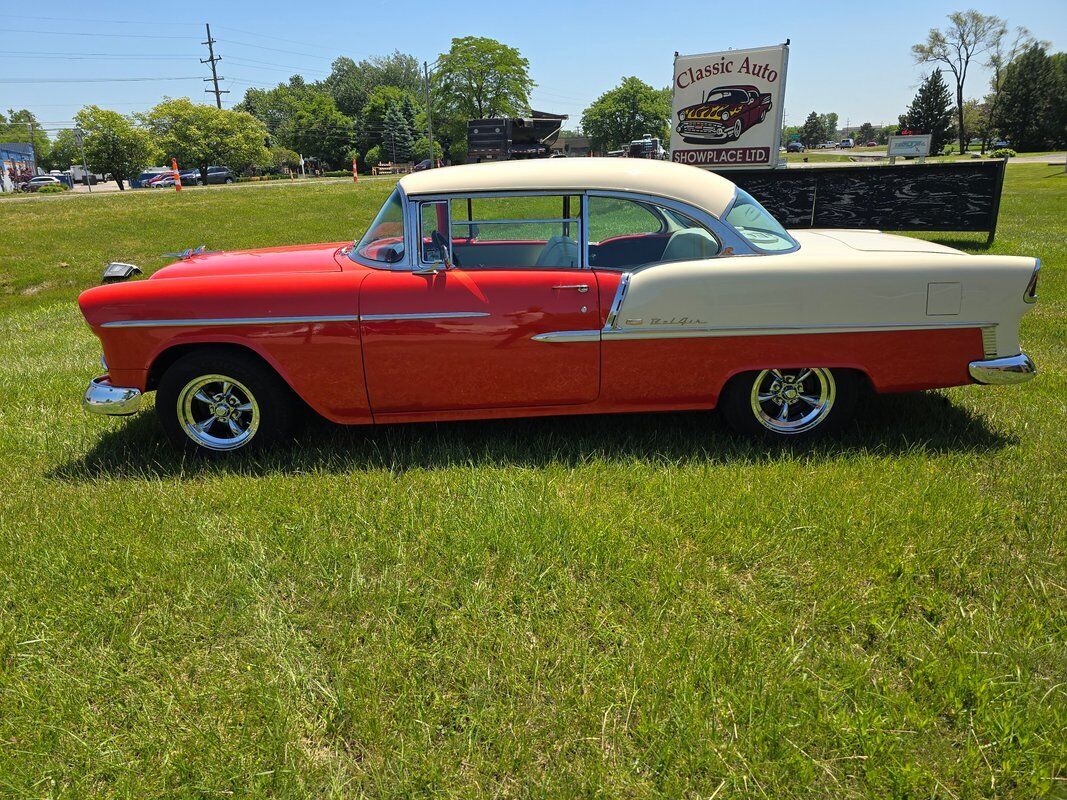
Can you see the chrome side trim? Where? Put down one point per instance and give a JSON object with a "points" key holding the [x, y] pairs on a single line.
{"points": [[568, 336], [616, 304], [424, 315], [1030, 295], [112, 401], [685, 332], [183, 323], [1003, 371]]}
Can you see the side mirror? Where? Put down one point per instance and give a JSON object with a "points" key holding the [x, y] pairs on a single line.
{"points": [[443, 246]]}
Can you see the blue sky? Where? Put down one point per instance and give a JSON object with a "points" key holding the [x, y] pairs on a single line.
{"points": [[851, 58]]}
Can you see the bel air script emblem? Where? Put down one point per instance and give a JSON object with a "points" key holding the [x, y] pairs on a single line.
{"points": [[677, 321]]}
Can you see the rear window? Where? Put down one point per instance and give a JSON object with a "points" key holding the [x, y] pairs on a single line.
{"points": [[757, 226]]}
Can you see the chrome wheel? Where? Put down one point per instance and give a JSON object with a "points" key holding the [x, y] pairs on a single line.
{"points": [[218, 412], [790, 401]]}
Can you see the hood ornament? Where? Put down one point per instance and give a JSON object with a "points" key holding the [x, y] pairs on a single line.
{"points": [[190, 252]]}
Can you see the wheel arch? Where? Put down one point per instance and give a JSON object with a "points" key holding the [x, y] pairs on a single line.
{"points": [[863, 378]]}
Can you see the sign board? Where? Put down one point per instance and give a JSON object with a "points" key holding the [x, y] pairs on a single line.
{"points": [[916, 146], [727, 108]]}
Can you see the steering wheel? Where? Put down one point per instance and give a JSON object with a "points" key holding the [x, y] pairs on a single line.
{"points": [[441, 243]]}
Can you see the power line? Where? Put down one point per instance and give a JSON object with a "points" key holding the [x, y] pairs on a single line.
{"points": [[102, 35], [95, 80], [94, 56], [273, 49]]}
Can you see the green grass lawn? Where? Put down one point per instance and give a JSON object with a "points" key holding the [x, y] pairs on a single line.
{"points": [[633, 606]]}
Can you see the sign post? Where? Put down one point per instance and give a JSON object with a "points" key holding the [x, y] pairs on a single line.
{"points": [[909, 146], [727, 108]]}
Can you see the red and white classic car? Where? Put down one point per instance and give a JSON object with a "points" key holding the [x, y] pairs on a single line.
{"points": [[564, 286]]}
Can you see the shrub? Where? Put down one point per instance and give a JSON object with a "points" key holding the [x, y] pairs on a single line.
{"points": [[53, 188], [373, 157], [1003, 152]]}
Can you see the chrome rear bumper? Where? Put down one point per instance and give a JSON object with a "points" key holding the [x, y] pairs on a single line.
{"points": [[1002, 371], [116, 401]]}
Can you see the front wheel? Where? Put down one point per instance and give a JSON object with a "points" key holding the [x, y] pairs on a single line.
{"points": [[219, 402], [802, 403]]}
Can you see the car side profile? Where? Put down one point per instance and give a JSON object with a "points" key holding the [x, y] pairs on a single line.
{"points": [[565, 286]]}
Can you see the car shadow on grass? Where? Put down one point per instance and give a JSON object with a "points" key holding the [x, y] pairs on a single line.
{"points": [[890, 425]]}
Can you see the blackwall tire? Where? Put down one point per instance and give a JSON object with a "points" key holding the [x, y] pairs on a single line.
{"points": [[792, 404], [213, 402]]}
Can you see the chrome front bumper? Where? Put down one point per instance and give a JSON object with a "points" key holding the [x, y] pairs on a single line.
{"points": [[1002, 371], [116, 401]]}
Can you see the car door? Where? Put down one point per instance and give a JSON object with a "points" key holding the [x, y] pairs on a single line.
{"points": [[479, 334]]}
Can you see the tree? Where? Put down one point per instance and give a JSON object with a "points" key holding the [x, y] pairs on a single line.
{"points": [[284, 159], [865, 134], [422, 148], [829, 126], [201, 135], [373, 157], [1058, 111], [1002, 52], [398, 139], [882, 137], [372, 115], [931, 111], [811, 132], [64, 151], [479, 78], [316, 128], [1025, 113], [627, 112], [18, 127], [113, 145], [350, 84], [968, 35]]}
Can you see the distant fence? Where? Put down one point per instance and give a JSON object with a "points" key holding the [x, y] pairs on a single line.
{"points": [[951, 196]]}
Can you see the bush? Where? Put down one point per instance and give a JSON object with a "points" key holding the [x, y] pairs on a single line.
{"points": [[338, 173], [53, 188], [373, 157], [1003, 152]]}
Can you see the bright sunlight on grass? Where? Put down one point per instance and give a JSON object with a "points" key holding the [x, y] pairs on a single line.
{"points": [[631, 606]]}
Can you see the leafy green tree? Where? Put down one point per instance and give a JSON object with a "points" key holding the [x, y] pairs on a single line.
{"points": [[398, 139], [316, 128], [1025, 113], [372, 115], [480, 78], [283, 159], [811, 132], [627, 112], [882, 137], [968, 35], [373, 157], [1003, 50], [351, 83], [931, 112], [64, 151], [17, 127], [829, 126], [113, 144], [422, 148], [201, 135], [865, 134], [1058, 111]]}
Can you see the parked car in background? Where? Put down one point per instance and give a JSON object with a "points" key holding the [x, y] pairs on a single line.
{"points": [[556, 286], [426, 164], [872, 144], [1001, 143], [37, 181], [794, 147], [847, 143]]}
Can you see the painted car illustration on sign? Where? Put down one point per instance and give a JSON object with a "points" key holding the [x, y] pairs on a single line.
{"points": [[726, 113], [548, 287]]}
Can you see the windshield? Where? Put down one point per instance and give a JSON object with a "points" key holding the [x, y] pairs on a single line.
{"points": [[762, 231], [384, 240]]}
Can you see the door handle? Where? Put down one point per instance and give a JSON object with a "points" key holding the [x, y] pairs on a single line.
{"points": [[581, 287]]}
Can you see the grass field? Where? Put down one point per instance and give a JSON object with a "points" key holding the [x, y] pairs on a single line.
{"points": [[634, 606]]}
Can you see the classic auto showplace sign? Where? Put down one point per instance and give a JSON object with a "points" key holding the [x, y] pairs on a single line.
{"points": [[727, 109]]}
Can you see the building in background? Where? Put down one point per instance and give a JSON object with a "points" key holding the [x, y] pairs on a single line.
{"points": [[19, 164]]}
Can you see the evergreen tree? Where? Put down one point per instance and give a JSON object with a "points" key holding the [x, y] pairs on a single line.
{"points": [[811, 132], [931, 112], [411, 113], [398, 138], [1025, 111]]}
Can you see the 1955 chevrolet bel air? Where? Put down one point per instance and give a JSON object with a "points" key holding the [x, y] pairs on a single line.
{"points": [[563, 286]]}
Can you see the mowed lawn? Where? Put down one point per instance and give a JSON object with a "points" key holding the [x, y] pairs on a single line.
{"points": [[632, 606]]}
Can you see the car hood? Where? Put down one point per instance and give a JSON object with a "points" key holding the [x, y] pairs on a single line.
{"points": [[268, 261], [866, 241], [708, 111]]}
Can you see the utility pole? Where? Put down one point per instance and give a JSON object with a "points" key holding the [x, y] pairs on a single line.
{"points": [[79, 136], [33, 147], [429, 111], [213, 59]]}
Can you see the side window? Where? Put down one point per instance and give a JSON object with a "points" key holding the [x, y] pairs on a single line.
{"points": [[628, 233], [536, 231], [433, 219]]}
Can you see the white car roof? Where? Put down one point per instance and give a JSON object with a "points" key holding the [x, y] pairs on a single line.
{"points": [[691, 185]]}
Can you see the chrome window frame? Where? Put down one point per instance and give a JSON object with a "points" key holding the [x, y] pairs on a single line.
{"points": [[419, 203], [415, 213], [403, 265]]}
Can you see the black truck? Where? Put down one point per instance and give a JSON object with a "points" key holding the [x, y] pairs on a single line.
{"points": [[505, 138]]}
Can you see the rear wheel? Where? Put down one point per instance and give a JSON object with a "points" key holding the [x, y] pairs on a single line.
{"points": [[219, 402], [793, 403]]}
